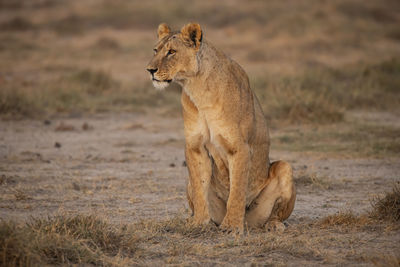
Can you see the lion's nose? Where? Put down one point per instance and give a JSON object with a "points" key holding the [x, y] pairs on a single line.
{"points": [[152, 71]]}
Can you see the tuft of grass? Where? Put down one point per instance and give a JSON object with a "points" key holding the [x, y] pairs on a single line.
{"points": [[21, 4], [17, 24], [64, 240], [297, 100], [93, 82], [14, 45], [73, 24], [313, 180], [387, 207], [99, 234], [107, 43], [387, 260], [17, 46], [384, 75], [21, 195], [178, 225], [6, 180], [366, 12], [257, 55], [343, 139], [322, 95], [346, 219], [14, 102]]}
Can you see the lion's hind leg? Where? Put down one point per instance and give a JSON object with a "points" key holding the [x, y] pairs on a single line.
{"points": [[276, 201]]}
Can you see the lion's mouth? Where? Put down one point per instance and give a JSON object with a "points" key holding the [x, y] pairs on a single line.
{"points": [[160, 85], [164, 81]]}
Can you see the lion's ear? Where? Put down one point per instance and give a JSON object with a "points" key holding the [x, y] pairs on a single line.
{"points": [[163, 30], [192, 34]]}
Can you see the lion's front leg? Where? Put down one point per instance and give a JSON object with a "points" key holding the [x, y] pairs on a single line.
{"points": [[199, 165], [238, 161]]}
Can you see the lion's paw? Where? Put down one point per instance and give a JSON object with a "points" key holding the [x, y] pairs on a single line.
{"points": [[200, 221], [275, 227], [233, 227]]}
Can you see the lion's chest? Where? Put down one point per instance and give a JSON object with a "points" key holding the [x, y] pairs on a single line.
{"points": [[212, 136]]}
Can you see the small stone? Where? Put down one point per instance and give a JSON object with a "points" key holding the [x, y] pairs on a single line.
{"points": [[76, 187], [86, 126], [63, 127]]}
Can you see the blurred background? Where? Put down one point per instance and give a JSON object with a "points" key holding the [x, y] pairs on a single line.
{"points": [[309, 61]]}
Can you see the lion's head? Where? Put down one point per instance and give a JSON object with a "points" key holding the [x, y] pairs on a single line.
{"points": [[175, 54]]}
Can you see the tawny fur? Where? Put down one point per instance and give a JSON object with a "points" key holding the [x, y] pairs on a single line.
{"points": [[231, 180]]}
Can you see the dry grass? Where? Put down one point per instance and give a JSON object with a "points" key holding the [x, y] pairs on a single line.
{"points": [[17, 24], [343, 139], [76, 92], [13, 102], [323, 95], [65, 240], [94, 82], [389, 260], [179, 225], [320, 98], [88, 240], [384, 209], [344, 219], [312, 179], [387, 207], [327, 62]]}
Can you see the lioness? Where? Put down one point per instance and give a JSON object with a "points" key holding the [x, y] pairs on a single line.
{"points": [[231, 180]]}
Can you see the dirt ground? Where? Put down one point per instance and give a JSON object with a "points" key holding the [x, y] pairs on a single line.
{"points": [[133, 164], [130, 167]]}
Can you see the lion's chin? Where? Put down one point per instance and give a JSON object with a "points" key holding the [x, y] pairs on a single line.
{"points": [[159, 85]]}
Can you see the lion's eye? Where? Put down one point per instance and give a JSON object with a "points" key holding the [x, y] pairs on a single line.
{"points": [[171, 52]]}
